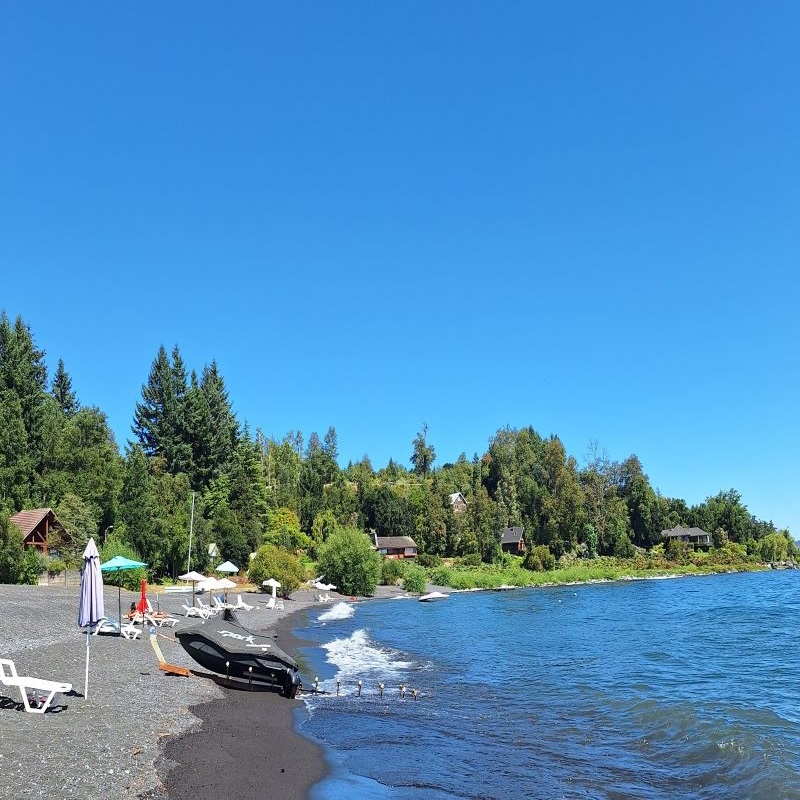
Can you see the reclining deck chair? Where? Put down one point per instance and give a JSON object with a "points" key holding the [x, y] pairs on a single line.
{"points": [[9, 677]]}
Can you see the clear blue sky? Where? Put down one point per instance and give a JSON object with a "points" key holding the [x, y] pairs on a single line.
{"points": [[577, 216]]}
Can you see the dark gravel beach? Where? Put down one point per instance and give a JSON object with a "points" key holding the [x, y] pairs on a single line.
{"points": [[257, 754], [124, 740]]}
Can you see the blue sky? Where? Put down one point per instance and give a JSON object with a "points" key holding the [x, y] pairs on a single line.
{"points": [[576, 216]]}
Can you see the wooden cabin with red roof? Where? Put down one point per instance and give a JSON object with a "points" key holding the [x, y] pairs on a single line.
{"points": [[36, 526]]}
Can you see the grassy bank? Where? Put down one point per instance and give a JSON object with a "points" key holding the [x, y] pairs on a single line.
{"points": [[489, 576]]}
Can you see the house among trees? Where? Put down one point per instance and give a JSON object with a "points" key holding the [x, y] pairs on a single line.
{"points": [[36, 526], [396, 546], [512, 540], [458, 502], [696, 536]]}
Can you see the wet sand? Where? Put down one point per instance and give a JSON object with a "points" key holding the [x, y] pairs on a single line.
{"points": [[247, 746]]}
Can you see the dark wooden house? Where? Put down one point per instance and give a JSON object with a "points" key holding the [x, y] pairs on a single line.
{"points": [[512, 540]]}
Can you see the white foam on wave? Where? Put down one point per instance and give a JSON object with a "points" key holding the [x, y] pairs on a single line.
{"points": [[359, 658], [341, 610]]}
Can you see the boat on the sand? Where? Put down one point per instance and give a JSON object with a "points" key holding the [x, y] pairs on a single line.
{"points": [[225, 646], [431, 596]]}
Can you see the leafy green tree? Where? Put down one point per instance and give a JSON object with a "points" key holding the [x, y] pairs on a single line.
{"points": [[171, 518], [229, 535], [80, 524], [424, 454], [130, 579], [11, 551], [136, 503], [89, 463], [349, 561], [273, 562], [283, 530], [774, 547], [324, 525]]}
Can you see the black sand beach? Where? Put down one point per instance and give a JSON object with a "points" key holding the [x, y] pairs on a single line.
{"points": [[141, 733], [246, 747]]}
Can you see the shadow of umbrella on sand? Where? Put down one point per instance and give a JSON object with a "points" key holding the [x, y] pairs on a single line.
{"points": [[117, 564]]}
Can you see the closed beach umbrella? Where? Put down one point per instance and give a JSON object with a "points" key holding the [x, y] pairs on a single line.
{"points": [[141, 606], [117, 564], [90, 607], [192, 577]]}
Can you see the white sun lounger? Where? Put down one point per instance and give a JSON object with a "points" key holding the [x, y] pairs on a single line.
{"points": [[195, 611], [9, 677], [160, 622], [241, 605], [109, 625]]}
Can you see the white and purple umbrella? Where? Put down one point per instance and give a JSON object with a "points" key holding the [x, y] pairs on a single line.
{"points": [[90, 608]]}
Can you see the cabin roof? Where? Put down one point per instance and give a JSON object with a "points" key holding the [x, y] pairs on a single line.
{"points": [[511, 535], [394, 542], [26, 521]]}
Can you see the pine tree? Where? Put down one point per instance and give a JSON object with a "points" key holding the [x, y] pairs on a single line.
{"points": [[224, 427], [61, 389], [158, 398], [22, 371]]}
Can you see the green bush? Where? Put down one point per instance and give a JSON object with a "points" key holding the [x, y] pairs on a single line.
{"points": [[274, 562], [414, 580], [471, 560], [32, 566], [429, 560], [11, 551], [392, 570], [539, 559], [55, 566], [348, 560]]}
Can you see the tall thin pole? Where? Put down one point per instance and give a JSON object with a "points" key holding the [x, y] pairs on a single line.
{"points": [[191, 525]]}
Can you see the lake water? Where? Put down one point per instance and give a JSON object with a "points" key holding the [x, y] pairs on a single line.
{"points": [[674, 688]]}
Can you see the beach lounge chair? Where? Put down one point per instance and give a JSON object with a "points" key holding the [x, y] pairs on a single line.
{"points": [[270, 603], [35, 703], [110, 625], [160, 620], [211, 611], [219, 605], [279, 605], [195, 611], [240, 605]]}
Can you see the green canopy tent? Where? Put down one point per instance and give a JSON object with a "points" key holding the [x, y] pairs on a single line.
{"points": [[117, 564]]}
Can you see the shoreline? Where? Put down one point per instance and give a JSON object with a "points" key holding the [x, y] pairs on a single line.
{"points": [[254, 734], [245, 743]]}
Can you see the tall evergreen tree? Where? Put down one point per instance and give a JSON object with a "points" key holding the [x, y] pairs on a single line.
{"points": [[158, 399], [61, 389], [23, 371], [224, 427]]}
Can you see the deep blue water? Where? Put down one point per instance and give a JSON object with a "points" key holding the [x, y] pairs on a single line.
{"points": [[676, 688]]}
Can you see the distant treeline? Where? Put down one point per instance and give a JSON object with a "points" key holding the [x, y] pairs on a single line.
{"points": [[190, 455]]}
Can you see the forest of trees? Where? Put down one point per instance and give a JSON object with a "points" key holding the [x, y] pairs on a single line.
{"points": [[250, 490]]}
